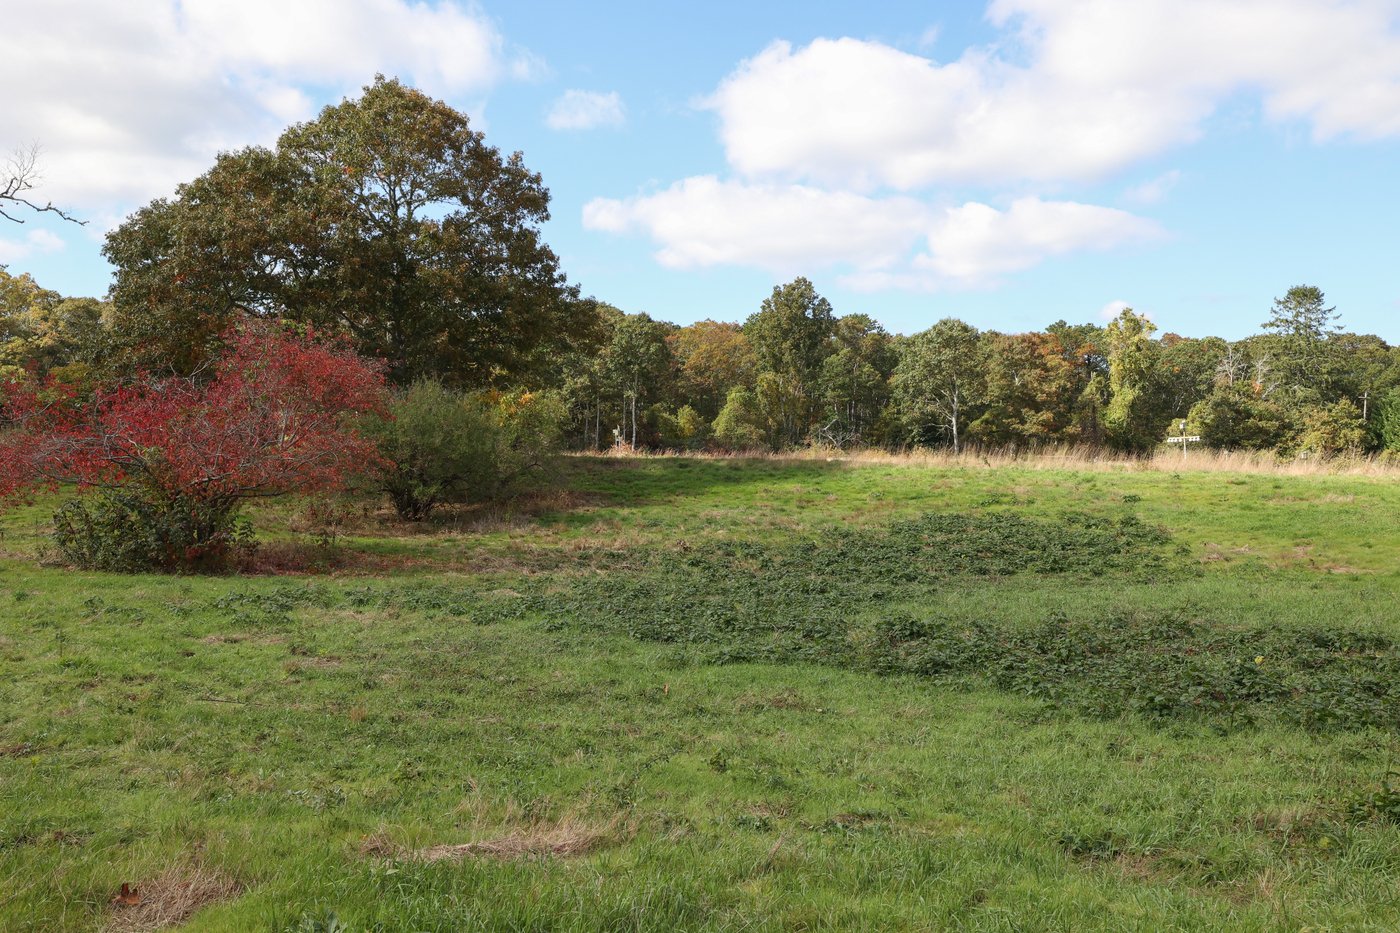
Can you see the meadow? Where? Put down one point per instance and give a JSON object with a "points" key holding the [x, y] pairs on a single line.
{"points": [[731, 694]]}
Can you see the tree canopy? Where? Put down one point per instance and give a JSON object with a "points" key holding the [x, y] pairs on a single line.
{"points": [[387, 217]]}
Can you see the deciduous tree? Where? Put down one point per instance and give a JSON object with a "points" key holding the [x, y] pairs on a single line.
{"points": [[940, 379], [1131, 421], [712, 357], [790, 336], [18, 177], [854, 379], [387, 218]]}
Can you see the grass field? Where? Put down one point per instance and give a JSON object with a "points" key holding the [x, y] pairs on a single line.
{"points": [[685, 694]]}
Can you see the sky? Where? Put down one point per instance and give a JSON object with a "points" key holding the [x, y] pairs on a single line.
{"points": [[1009, 163]]}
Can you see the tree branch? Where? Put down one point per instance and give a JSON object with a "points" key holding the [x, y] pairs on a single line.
{"points": [[19, 176]]}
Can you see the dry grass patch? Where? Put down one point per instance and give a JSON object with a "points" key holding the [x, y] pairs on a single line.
{"points": [[234, 638], [1057, 458], [170, 899], [569, 837]]}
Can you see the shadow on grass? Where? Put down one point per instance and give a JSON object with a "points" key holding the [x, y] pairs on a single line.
{"points": [[625, 481]]}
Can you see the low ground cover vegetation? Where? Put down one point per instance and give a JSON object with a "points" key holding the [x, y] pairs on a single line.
{"points": [[690, 694]]}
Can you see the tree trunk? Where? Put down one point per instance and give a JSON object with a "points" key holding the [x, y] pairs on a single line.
{"points": [[953, 421]]}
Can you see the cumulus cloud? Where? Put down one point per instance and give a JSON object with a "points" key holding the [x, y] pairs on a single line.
{"points": [[1072, 90], [977, 243], [704, 221], [586, 110], [886, 242], [128, 99]]}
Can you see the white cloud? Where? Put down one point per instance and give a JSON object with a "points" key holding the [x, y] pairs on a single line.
{"points": [[33, 241], [1072, 90], [1155, 190], [976, 243], [127, 99], [704, 221], [586, 110]]}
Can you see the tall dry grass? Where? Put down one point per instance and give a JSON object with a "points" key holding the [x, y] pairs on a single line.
{"points": [[1060, 457]]}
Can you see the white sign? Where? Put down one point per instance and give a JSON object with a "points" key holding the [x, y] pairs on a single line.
{"points": [[1182, 440]]}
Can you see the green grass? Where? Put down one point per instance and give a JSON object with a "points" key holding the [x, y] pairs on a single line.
{"points": [[769, 695]]}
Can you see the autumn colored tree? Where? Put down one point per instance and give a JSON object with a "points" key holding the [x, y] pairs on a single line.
{"points": [[1085, 347], [172, 459], [1032, 389], [712, 358]]}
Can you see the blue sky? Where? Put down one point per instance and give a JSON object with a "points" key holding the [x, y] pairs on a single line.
{"points": [[1009, 163]]}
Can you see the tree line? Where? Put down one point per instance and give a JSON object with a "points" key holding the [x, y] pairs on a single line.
{"points": [[796, 373], [389, 221]]}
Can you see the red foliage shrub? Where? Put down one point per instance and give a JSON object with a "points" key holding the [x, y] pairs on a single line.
{"points": [[270, 418], [176, 457]]}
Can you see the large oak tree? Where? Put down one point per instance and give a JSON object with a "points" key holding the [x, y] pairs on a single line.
{"points": [[387, 217]]}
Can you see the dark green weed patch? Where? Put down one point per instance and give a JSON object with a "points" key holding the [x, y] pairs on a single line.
{"points": [[813, 600], [824, 598], [754, 601], [1162, 667]]}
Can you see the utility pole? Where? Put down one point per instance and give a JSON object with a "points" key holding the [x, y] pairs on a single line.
{"points": [[1365, 403]]}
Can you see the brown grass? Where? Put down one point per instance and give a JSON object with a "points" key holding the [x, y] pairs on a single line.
{"points": [[170, 899], [1062, 457], [569, 837]]}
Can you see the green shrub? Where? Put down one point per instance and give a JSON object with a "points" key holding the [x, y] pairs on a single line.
{"points": [[129, 531], [1387, 421], [1235, 417], [739, 425], [451, 447], [685, 430], [1333, 429]]}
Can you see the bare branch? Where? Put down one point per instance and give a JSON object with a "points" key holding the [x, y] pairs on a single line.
{"points": [[18, 177]]}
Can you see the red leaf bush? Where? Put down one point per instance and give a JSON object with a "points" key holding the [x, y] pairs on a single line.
{"points": [[274, 414]]}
